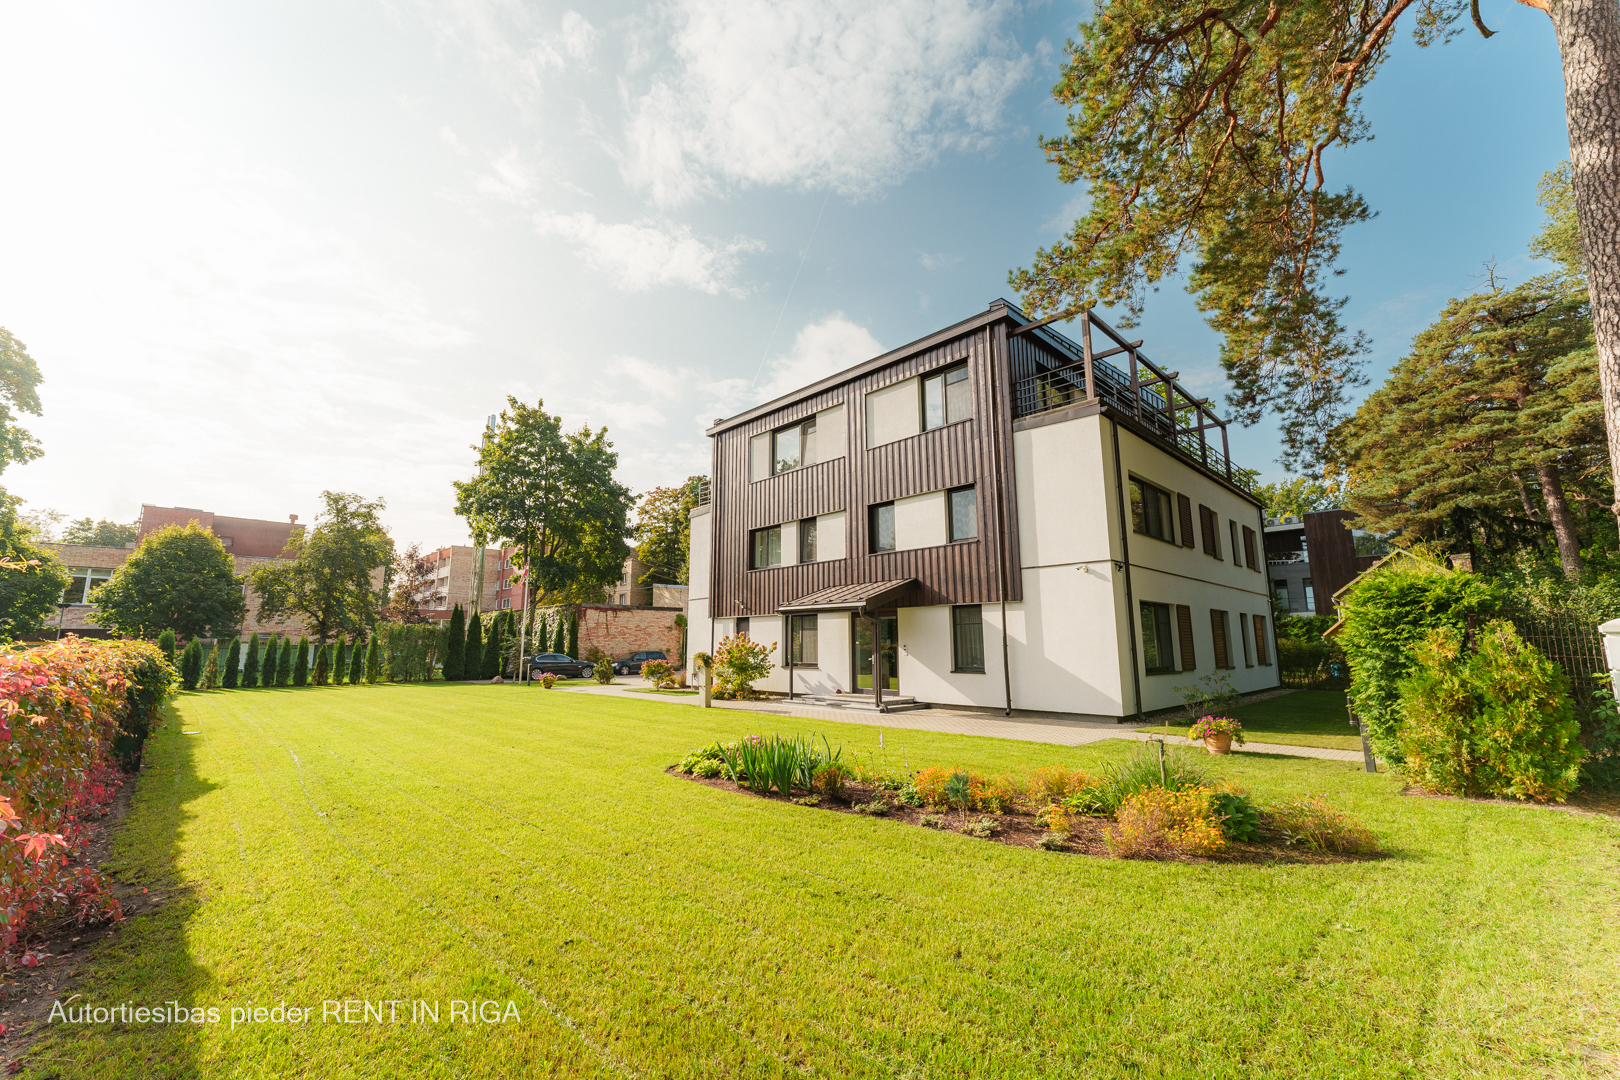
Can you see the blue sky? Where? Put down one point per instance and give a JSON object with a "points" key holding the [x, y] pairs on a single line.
{"points": [[262, 252]]}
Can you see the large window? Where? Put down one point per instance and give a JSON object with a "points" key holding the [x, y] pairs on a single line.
{"points": [[964, 514], [807, 540], [793, 446], [881, 527], [1158, 648], [85, 578], [947, 397], [1150, 511], [1310, 595], [768, 547], [1279, 594], [804, 647], [967, 638]]}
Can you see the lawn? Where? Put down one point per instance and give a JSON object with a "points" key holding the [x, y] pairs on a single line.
{"points": [[503, 843], [1302, 718]]}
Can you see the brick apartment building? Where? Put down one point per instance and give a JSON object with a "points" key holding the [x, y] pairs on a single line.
{"points": [[252, 542], [456, 581]]}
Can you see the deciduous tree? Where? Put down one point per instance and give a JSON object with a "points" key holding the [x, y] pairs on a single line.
{"points": [[329, 576], [1297, 497], [99, 533], [180, 579], [663, 531], [19, 392], [1206, 132], [412, 584]]}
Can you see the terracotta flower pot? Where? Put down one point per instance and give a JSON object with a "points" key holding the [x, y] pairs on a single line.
{"points": [[1218, 744]]}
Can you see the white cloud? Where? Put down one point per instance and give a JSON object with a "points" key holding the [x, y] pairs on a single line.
{"points": [[645, 254], [844, 93], [941, 261], [821, 348], [514, 46]]}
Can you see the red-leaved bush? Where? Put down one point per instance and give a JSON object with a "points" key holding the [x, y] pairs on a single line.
{"points": [[69, 711]]}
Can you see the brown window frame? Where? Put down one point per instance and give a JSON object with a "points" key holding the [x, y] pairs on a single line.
{"points": [[1184, 507]]}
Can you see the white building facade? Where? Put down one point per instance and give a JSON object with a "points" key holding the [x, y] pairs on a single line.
{"points": [[961, 522]]}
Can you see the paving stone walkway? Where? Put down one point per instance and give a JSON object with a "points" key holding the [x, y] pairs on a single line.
{"points": [[1077, 730]]}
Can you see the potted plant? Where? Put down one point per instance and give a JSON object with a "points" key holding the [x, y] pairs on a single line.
{"points": [[1217, 733]]}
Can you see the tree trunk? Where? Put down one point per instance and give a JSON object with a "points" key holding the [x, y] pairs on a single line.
{"points": [[1563, 522], [1588, 33]]}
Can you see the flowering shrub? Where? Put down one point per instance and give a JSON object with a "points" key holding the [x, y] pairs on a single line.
{"points": [[738, 661], [1217, 725], [1159, 821], [548, 680], [1321, 826], [658, 672], [66, 710], [1054, 783], [1053, 817]]}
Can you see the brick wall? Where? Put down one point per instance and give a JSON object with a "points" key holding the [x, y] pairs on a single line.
{"points": [[619, 631]]}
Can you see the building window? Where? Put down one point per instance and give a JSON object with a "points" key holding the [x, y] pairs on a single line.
{"points": [[768, 547], [1220, 626], [964, 514], [1150, 511], [1235, 548], [881, 527], [803, 648], [742, 626], [1279, 594], [1243, 634], [967, 638], [807, 540], [1209, 525], [1310, 595], [85, 578], [947, 397], [1158, 651], [793, 446]]}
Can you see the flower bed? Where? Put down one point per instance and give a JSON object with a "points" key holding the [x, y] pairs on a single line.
{"points": [[70, 712], [1137, 808]]}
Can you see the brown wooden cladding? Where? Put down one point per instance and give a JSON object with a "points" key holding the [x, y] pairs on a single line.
{"points": [[967, 572]]}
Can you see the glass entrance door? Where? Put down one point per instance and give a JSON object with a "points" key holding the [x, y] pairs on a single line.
{"points": [[888, 647]]}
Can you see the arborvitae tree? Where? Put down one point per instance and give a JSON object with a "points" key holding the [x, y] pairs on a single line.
{"points": [[340, 661], [573, 635], [455, 646], [300, 671], [211, 672], [373, 660], [357, 662], [191, 664], [322, 665], [250, 666], [284, 663], [271, 662], [492, 649], [540, 636], [166, 643], [233, 665], [475, 649]]}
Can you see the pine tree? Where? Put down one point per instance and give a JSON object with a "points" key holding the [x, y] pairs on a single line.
{"points": [[357, 662], [250, 666], [191, 665], [233, 665], [284, 663], [373, 660], [492, 649], [455, 646], [300, 668], [474, 649], [166, 643]]}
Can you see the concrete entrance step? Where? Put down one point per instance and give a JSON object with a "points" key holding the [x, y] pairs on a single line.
{"points": [[863, 702]]}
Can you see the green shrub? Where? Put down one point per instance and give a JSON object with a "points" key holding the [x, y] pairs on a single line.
{"points": [[373, 659], [357, 662], [271, 662], [250, 666], [1052, 841], [210, 677], [191, 665], [830, 780], [982, 827], [473, 657], [1213, 694], [1386, 613], [1602, 765], [166, 644], [766, 761], [1497, 721], [300, 663], [1240, 817], [1316, 824], [738, 662], [1138, 773], [233, 660], [455, 646], [284, 663]]}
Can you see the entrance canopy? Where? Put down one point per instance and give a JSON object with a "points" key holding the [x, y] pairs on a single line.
{"points": [[863, 597]]}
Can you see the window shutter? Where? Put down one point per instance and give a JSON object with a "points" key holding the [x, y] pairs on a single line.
{"points": [[1248, 548], [1206, 526], [1217, 624], [1260, 641], [1189, 659], [1184, 505]]}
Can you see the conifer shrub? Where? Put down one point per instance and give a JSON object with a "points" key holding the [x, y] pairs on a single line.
{"points": [[210, 677], [573, 636], [454, 651], [165, 642], [233, 659], [272, 658], [284, 663], [191, 665], [357, 662], [540, 634], [1496, 720], [300, 662], [563, 643], [492, 650], [250, 665], [340, 661], [322, 667], [373, 659], [1386, 613], [473, 665]]}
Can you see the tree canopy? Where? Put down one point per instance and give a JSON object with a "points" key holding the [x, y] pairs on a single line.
{"points": [[1202, 133], [410, 585], [551, 495], [19, 392], [663, 532], [330, 575], [99, 533], [179, 579], [1297, 496], [32, 584]]}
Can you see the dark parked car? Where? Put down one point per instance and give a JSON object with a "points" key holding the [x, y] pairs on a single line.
{"points": [[564, 667], [631, 665]]}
